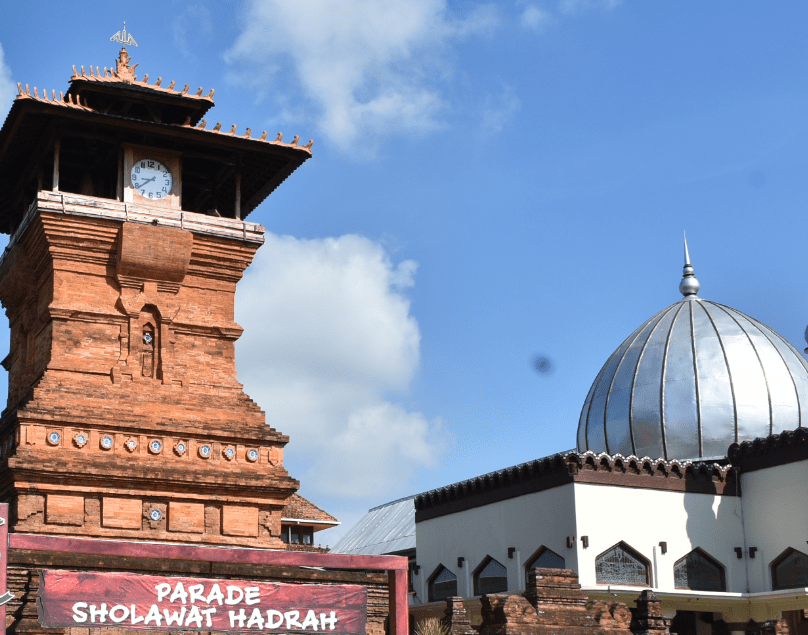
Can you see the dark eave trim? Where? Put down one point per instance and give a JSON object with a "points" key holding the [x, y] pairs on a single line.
{"points": [[786, 447]]}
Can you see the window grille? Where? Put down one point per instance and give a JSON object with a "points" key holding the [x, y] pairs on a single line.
{"points": [[698, 572], [548, 559], [492, 578], [791, 571], [443, 585], [619, 566]]}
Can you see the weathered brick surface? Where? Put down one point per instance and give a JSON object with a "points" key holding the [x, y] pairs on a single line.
{"points": [[456, 620], [553, 604], [64, 510], [123, 395]]}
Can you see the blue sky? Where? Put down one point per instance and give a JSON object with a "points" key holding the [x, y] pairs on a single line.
{"points": [[490, 183]]}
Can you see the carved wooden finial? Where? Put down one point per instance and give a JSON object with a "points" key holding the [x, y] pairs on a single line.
{"points": [[309, 144], [171, 85], [98, 71], [184, 90], [217, 126], [146, 78], [53, 96], [27, 90], [83, 74], [159, 79], [210, 94], [295, 140], [19, 89], [105, 72], [232, 130], [75, 74], [61, 96], [247, 134], [203, 124], [199, 92], [36, 93], [279, 138], [187, 121], [264, 136]]}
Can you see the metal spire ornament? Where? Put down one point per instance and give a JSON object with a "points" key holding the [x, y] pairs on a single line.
{"points": [[689, 286], [123, 37]]}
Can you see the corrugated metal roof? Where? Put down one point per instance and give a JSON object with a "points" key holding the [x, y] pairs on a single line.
{"points": [[383, 530]]}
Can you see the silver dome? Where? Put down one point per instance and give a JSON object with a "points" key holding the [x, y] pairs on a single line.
{"points": [[690, 381]]}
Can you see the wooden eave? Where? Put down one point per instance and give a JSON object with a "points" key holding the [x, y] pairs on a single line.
{"points": [[33, 123], [194, 107]]}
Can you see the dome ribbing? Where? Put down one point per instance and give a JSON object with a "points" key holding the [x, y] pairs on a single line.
{"points": [[695, 378]]}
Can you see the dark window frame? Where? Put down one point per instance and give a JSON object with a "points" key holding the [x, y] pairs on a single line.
{"points": [[431, 584], [698, 551], [633, 553], [779, 560], [480, 568]]}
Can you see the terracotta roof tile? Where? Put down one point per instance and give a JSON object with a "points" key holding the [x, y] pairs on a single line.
{"points": [[71, 101], [299, 508]]}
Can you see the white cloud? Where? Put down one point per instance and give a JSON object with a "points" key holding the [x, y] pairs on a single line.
{"points": [[577, 6], [498, 111], [194, 22], [328, 339], [8, 88], [535, 18], [370, 69]]}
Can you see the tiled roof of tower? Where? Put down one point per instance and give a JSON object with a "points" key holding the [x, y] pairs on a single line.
{"points": [[74, 101], [299, 508]]}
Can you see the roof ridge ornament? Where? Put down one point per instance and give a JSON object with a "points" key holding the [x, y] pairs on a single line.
{"points": [[689, 286], [123, 71], [123, 37]]}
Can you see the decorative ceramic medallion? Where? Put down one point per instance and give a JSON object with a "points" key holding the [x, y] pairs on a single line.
{"points": [[107, 442], [131, 444], [229, 453], [252, 455], [80, 439], [155, 514], [205, 451], [155, 446], [54, 438], [180, 448]]}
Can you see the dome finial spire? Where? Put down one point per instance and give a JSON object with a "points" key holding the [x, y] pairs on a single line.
{"points": [[689, 286]]}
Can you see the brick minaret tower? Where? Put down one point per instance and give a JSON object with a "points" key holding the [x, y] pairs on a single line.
{"points": [[125, 418]]}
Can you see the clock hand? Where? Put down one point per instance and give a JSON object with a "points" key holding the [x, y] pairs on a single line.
{"points": [[147, 181]]}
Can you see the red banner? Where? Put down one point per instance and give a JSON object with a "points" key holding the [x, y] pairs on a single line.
{"points": [[153, 603]]}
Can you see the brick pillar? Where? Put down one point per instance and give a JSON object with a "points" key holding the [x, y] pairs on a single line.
{"points": [[456, 620], [648, 619]]}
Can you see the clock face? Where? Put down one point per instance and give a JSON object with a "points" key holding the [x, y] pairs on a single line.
{"points": [[151, 179]]}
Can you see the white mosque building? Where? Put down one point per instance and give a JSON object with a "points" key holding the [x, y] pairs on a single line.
{"points": [[690, 478]]}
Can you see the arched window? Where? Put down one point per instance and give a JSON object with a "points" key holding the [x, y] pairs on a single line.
{"points": [[790, 570], [621, 565], [699, 572], [545, 558], [442, 584], [490, 577]]}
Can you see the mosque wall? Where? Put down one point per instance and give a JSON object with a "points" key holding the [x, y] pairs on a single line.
{"points": [[775, 493], [644, 518], [525, 523]]}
